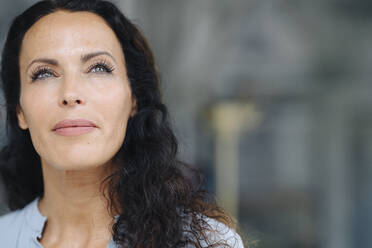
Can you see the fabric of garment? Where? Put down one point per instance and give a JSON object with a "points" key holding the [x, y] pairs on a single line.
{"points": [[23, 227]]}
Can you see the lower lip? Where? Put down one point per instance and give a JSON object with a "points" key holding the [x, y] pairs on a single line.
{"points": [[73, 131]]}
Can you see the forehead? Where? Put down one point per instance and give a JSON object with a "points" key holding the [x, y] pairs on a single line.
{"points": [[64, 33]]}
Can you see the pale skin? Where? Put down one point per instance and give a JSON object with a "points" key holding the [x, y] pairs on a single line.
{"points": [[71, 88]]}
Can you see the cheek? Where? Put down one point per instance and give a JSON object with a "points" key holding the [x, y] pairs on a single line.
{"points": [[35, 109], [116, 110], [115, 113]]}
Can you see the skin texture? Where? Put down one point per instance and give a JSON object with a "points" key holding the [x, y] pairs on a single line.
{"points": [[74, 166]]}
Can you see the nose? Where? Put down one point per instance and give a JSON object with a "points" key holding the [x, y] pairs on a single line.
{"points": [[71, 95], [71, 101]]}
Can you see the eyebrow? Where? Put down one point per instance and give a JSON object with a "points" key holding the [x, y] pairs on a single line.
{"points": [[84, 58]]}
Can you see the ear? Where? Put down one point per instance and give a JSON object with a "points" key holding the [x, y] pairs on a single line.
{"points": [[21, 118], [134, 107]]}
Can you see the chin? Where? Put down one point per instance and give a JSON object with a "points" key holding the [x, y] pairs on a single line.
{"points": [[75, 163]]}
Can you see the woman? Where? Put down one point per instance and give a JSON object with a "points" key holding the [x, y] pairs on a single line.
{"points": [[91, 160]]}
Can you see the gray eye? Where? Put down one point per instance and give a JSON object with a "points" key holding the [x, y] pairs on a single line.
{"points": [[45, 74], [41, 74], [99, 69]]}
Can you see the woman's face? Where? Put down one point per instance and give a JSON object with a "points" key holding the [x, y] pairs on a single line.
{"points": [[65, 62]]}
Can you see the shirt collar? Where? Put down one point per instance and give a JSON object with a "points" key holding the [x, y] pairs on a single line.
{"points": [[36, 220]]}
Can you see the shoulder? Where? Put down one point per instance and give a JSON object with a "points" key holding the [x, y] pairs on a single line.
{"points": [[221, 232], [11, 219], [10, 226], [217, 233]]}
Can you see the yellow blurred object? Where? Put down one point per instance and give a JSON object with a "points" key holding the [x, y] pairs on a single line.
{"points": [[229, 119]]}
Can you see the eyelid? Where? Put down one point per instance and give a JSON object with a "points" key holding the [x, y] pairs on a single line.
{"points": [[37, 70], [40, 67], [102, 62]]}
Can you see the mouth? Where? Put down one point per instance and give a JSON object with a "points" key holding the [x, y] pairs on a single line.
{"points": [[74, 131], [73, 127]]}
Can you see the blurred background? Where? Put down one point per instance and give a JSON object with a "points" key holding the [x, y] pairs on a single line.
{"points": [[271, 99]]}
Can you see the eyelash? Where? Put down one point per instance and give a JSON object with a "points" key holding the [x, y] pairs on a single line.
{"points": [[45, 69]]}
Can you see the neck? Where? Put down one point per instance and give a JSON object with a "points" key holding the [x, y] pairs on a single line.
{"points": [[74, 201]]}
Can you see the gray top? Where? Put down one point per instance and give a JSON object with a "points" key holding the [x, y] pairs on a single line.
{"points": [[21, 228]]}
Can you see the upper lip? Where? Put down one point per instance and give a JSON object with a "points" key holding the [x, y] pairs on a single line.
{"points": [[74, 123]]}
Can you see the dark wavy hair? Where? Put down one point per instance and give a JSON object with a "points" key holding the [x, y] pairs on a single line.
{"points": [[163, 208]]}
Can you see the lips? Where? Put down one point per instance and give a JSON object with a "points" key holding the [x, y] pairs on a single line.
{"points": [[74, 123]]}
